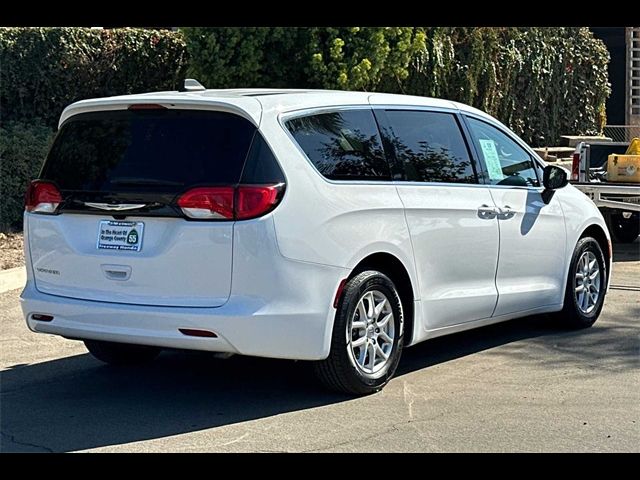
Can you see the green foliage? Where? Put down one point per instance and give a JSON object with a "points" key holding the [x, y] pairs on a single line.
{"points": [[349, 58], [542, 82], [358, 58], [46, 69], [232, 57], [23, 147]]}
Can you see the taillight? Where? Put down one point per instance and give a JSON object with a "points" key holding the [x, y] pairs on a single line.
{"points": [[230, 203], [575, 167], [255, 200], [42, 197], [208, 203]]}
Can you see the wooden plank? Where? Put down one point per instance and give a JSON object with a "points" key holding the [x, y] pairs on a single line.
{"points": [[573, 140]]}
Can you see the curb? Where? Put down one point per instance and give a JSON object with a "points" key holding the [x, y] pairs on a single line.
{"points": [[12, 279]]}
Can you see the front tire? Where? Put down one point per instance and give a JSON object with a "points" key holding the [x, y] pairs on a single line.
{"points": [[367, 338], [121, 354], [586, 285]]}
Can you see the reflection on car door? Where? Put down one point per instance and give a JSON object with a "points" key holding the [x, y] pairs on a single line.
{"points": [[532, 233], [451, 217]]}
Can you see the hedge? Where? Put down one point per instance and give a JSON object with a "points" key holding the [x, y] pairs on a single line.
{"points": [[42, 70], [542, 82], [348, 58], [23, 147], [227, 57]]}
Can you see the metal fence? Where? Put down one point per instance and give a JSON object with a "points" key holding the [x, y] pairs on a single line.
{"points": [[622, 133]]}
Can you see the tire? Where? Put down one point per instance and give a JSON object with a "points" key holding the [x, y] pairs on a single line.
{"points": [[574, 314], [121, 354], [348, 368], [625, 230]]}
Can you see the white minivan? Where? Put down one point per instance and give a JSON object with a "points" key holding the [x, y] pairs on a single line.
{"points": [[335, 227]]}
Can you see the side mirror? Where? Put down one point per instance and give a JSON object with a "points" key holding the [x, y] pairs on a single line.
{"points": [[553, 178]]}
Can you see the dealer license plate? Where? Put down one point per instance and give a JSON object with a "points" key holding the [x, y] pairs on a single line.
{"points": [[116, 235]]}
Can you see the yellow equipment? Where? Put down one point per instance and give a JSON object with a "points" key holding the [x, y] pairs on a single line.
{"points": [[625, 168], [634, 147]]}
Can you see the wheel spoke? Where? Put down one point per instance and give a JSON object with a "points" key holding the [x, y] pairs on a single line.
{"points": [[370, 306], [383, 323], [362, 311], [579, 276], [579, 288], [358, 325], [360, 341], [378, 308], [594, 275], [585, 301], [593, 264], [386, 338], [580, 298], [381, 351], [372, 356], [362, 355], [594, 298]]}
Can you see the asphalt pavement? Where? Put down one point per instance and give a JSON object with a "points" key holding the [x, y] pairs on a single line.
{"points": [[521, 386]]}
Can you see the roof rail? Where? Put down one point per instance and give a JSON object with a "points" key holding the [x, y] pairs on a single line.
{"points": [[192, 85]]}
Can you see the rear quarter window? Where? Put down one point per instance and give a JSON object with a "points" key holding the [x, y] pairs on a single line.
{"points": [[342, 145]]}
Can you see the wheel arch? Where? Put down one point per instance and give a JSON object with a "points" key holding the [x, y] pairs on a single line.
{"points": [[596, 231], [393, 267], [599, 233]]}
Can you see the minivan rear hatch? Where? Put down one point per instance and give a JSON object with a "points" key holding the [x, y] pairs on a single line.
{"points": [[119, 235]]}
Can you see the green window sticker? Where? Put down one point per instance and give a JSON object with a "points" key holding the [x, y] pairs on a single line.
{"points": [[491, 158]]}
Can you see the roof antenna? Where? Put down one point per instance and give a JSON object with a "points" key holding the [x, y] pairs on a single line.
{"points": [[192, 85]]}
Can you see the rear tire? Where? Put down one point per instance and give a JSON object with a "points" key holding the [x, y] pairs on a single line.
{"points": [[586, 285], [121, 353], [367, 338], [625, 230]]}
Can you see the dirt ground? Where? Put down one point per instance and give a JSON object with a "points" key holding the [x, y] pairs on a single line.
{"points": [[11, 254]]}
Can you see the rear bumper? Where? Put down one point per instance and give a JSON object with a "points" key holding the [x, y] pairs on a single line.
{"points": [[244, 325], [277, 308]]}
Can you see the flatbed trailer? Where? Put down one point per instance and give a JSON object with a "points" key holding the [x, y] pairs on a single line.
{"points": [[612, 195], [618, 202]]}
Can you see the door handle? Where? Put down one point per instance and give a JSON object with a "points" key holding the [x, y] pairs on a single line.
{"points": [[485, 211], [506, 209], [506, 212]]}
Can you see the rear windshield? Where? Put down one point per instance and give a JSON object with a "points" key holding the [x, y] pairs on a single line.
{"points": [[148, 150]]}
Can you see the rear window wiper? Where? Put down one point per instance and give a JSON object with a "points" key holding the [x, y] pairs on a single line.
{"points": [[144, 181]]}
